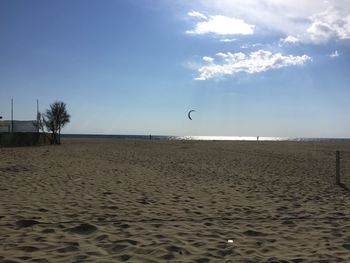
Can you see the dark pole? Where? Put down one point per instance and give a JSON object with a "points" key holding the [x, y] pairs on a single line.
{"points": [[37, 114], [11, 115], [337, 167]]}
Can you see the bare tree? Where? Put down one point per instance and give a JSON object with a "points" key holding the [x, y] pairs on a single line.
{"points": [[54, 119]]}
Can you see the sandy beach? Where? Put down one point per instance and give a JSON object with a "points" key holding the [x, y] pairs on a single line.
{"points": [[173, 201]]}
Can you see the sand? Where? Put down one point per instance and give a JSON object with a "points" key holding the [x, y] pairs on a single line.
{"points": [[176, 201]]}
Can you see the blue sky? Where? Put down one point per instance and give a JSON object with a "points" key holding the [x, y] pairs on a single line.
{"points": [[278, 68]]}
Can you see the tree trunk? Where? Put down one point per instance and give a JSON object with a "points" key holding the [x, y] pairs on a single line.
{"points": [[53, 138], [59, 136]]}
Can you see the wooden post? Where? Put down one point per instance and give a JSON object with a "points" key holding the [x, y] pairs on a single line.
{"points": [[337, 167]]}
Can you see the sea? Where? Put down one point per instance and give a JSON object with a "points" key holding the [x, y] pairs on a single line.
{"points": [[196, 138]]}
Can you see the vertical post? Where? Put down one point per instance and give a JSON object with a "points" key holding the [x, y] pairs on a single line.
{"points": [[11, 115], [37, 115], [337, 167]]}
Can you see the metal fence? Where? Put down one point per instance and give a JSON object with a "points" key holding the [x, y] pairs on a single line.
{"points": [[343, 169], [16, 139], [5, 127]]}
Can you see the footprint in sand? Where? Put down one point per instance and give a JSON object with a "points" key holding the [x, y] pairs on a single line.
{"points": [[346, 246], [83, 229], [26, 223], [68, 249], [7, 261], [48, 231], [253, 233], [124, 257], [28, 248]]}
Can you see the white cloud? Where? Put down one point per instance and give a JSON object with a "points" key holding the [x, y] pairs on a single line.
{"points": [[197, 14], [221, 54], [328, 25], [255, 62], [334, 54], [289, 40], [208, 59], [228, 40], [222, 25], [249, 45], [310, 21]]}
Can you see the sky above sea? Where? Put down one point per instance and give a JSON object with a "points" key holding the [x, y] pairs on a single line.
{"points": [[247, 67]]}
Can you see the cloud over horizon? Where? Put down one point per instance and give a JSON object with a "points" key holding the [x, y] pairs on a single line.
{"points": [[258, 61]]}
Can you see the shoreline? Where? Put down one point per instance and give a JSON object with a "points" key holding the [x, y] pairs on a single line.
{"points": [[198, 138]]}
